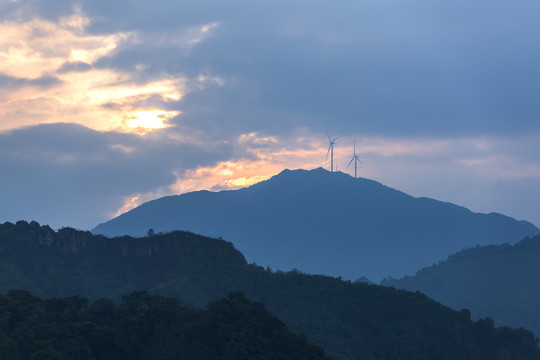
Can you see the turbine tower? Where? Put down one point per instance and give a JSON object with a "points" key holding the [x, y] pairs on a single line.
{"points": [[355, 158], [331, 151]]}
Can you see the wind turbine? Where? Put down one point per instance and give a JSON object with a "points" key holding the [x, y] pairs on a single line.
{"points": [[331, 151], [355, 158]]}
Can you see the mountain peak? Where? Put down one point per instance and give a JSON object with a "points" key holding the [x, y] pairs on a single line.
{"points": [[325, 222], [318, 178]]}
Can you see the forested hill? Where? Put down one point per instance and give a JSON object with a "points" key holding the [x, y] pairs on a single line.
{"points": [[325, 223], [69, 261], [143, 327], [500, 281], [349, 320]]}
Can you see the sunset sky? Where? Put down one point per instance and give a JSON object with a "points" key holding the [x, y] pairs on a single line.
{"points": [[107, 104]]}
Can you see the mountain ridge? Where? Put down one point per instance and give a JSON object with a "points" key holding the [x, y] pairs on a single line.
{"points": [[322, 222], [499, 280]]}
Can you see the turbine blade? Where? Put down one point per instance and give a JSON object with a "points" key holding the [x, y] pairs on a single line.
{"points": [[336, 138], [349, 163], [328, 151], [328, 136]]}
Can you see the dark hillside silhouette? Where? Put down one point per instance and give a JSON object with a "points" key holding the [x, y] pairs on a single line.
{"points": [[349, 320], [144, 326]]}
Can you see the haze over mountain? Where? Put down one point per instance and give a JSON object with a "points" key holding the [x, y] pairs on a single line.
{"points": [[323, 222], [502, 281]]}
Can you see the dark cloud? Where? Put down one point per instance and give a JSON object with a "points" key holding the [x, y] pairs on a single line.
{"points": [[371, 67], [13, 83], [74, 67], [13, 10], [385, 68], [67, 174]]}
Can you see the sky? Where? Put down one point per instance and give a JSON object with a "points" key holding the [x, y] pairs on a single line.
{"points": [[107, 104]]}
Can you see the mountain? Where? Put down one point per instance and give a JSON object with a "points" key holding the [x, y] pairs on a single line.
{"points": [[143, 327], [499, 281], [349, 320], [325, 223]]}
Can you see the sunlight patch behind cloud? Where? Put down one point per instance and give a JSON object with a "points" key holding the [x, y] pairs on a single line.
{"points": [[246, 181], [147, 120], [53, 78], [268, 158]]}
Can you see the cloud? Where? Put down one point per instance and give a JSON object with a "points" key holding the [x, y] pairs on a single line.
{"points": [[485, 174], [373, 68], [174, 96], [254, 138], [66, 174], [254, 158], [53, 74], [36, 47], [191, 36]]}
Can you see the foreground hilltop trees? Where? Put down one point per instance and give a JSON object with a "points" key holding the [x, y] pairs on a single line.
{"points": [[144, 326], [353, 321]]}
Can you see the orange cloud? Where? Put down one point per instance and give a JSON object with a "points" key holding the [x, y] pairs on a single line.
{"points": [[99, 98], [131, 202], [38, 47], [270, 157]]}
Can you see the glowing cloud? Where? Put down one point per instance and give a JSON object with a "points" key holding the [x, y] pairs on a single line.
{"points": [[198, 33], [147, 120], [256, 139], [37, 47], [244, 181], [266, 156], [131, 203], [54, 79]]}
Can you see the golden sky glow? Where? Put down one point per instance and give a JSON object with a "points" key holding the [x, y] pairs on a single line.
{"points": [[37, 47], [234, 174], [148, 120], [36, 53]]}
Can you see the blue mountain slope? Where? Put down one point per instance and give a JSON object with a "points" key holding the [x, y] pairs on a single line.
{"points": [[497, 281], [322, 222]]}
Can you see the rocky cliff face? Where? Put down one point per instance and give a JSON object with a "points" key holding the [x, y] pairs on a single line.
{"points": [[71, 241], [66, 240], [68, 261]]}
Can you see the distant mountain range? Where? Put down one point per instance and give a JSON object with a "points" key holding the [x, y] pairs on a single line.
{"points": [[349, 320], [325, 223], [498, 281]]}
